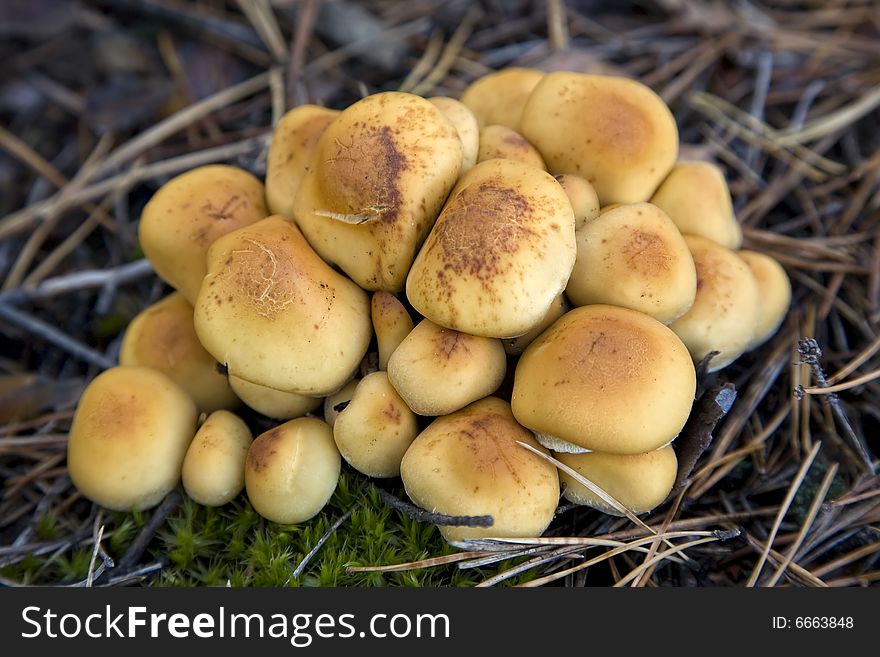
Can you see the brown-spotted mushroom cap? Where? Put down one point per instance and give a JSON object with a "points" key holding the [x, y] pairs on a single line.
{"points": [[439, 370], [469, 463], [380, 174], [774, 288], [498, 98], [604, 378], [290, 154], [500, 141], [129, 436], [374, 431], [292, 470], [188, 213], [613, 131], [640, 482], [391, 323], [633, 256], [500, 253], [162, 336], [582, 196], [696, 197], [335, 403], [465, 124], [277, 315], [213, 469], [724, 317], [515, 346], [273, 403]]}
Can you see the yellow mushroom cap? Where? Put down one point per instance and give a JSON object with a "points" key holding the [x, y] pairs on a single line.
{"points": [[515, 346], [725, 314], [290, 154], [380, 174], [292, 470], [391, 323], [696, 197], [129, 436], [774, 288], [162, 337], [640, 482], [273, 403], [465, 124], [277, 315], [607, 379], [374, 431], [500, 252], [498, 98], [501, 141], [213, 469], [582, 196], [469, 463], [613, 131], [633, 256], [438, 370], [338, 399], [188, 213]]}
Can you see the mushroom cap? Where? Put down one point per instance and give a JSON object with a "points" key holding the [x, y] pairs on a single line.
{"points": [[725, 314], [292, 470], [696, 197], [640, 482], [500, 252], [633, 256], [213, 469], [162, 337], [391, 323], [469, 463], [501, 141], [273, 403], [380, 174], [342, 396], [774, 289], [613, 131], [582, 196], [277, 315], [129, 436], [374, 431], [188, 213], [498, 98], [290, 154], [438, 370], [606, 379], [465, 124], [515, 346]]}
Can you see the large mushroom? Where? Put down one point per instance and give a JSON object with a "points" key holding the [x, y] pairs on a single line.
{"points": [[498, 98]]}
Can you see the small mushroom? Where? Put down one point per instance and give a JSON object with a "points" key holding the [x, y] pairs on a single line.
{"points": [[438, 370], [470, 463], [465, 124], [292, 470], [335, 403], [213, 469], [374, 431], [273, 403], [774, 289], [129, 436], [498, 98], [515, 346], [391, 323], [500, 141], [189, 213], [582, 196]]}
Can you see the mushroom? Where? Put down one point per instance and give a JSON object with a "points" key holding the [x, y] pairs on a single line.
{"points": [[640, 482], [213, 469], [273, 403], [724, 317], [633, 256], [774, 290], [607, 379], [515, 346], [380, 174], [465, 124], [498, 98], [336, 402], [696, 197], [438, 370], [391, 323], [470, 463], [500, 253], [290, 154], [129, 436], [582, 196], [500, 141], [374, 431], [292, 470], [162, 337], [188, 213], [613, 131], [277, 315]]}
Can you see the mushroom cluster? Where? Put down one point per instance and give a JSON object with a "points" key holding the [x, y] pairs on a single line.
{"points": [[457, 293]]}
